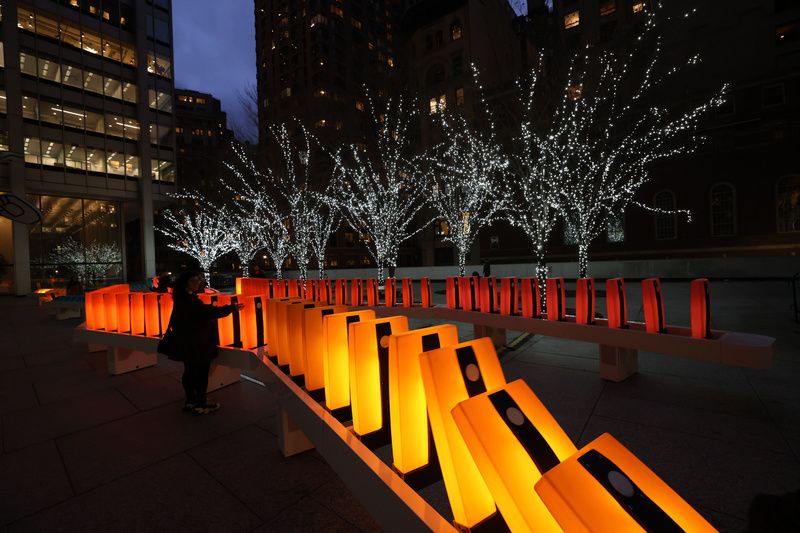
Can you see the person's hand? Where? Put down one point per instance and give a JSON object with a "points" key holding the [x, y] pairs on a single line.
{"points": [[239, 306]]}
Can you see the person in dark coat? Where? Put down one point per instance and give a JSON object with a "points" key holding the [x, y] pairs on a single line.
{"points": [[194, 326]]}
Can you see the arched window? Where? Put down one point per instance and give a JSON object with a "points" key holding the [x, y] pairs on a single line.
{"points": [[787, 203], [666, 222], [455, 30], [434, 75], [723, 210]]}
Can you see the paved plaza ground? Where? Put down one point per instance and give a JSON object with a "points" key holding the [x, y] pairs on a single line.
{"points": [[83, 451]]}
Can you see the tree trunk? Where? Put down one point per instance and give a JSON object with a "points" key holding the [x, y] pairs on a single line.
{"points": [[583, 259], [278, 272], [462, 261], [541, 275], [380, 273]]}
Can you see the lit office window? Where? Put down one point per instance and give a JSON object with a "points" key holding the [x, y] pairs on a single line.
{"points": [[161, 170], [455, 30], [161, 101], [638, 7], [608, 7], [441, 228], [3, 102], [159, 65], [336, 10], [86, 40], [438, 104], [572, 19], [460, 96]]}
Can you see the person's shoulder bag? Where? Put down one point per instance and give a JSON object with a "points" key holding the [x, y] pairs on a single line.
{"points": [[166, 345]]}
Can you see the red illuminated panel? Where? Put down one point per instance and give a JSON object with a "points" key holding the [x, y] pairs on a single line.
{"points": [[700, 309], [225, 325], [425, 292], [324, 293], [556, 299], [165, 305], [408, 292], [340, 291], [509, 296], [356, 293], [488, 294], [373, 299], [453, 293], [137, 313], [653, 305], [389, 292], [514, 440], [584, 301], [450, 375], [293, 288], [152, 319], [314, 346], [616, 303], [469, 289], [531, 297], [123, 305], [617, 493], [336, 360], [412, 446], [110, 310]]}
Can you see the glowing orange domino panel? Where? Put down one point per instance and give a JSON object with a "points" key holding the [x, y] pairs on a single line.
{"points": [[272, 324], [295, 336], [616, 304], [314, 347], [356, 293], [253, 321], [369, 372], [165, 305], [426, 298], [152, 320], [450, 375], [110, 310], [123, 305], [408, 410], [617, 492], [653, 306], [700, 309], [514, 439], [282, 325], [137, 313], [373, 298], [336, 360], [453, 293], [340, 291], [408, 292]]}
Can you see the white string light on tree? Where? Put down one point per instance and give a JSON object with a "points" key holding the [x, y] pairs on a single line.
{"points": [[469, 185], [381, 188], [200, 230]]}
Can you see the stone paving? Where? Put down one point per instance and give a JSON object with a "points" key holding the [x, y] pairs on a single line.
{"points": [[84, 451]]}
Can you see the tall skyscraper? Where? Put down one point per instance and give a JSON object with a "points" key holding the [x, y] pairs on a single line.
{"points": [[315, 57], [86, 121]]}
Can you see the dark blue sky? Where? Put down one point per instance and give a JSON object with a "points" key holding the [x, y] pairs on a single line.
{"points": [[215, 52], [214, 45]]}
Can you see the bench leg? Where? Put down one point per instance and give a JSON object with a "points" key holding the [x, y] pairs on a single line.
{"points": [[498, 335], [221, 376], [618, 364], [291, 439], [122, 360]]}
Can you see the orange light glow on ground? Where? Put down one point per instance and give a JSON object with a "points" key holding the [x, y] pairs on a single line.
{"points": [[579, 501], [408, 410], [504, 461], [450, 376]]}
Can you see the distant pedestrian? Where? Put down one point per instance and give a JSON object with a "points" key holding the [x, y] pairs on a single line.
{"points": [[257, 272], [194, 326], [487, 269]]}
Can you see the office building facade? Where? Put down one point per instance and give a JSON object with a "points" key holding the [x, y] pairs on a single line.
{"points": [[87, 127]]}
